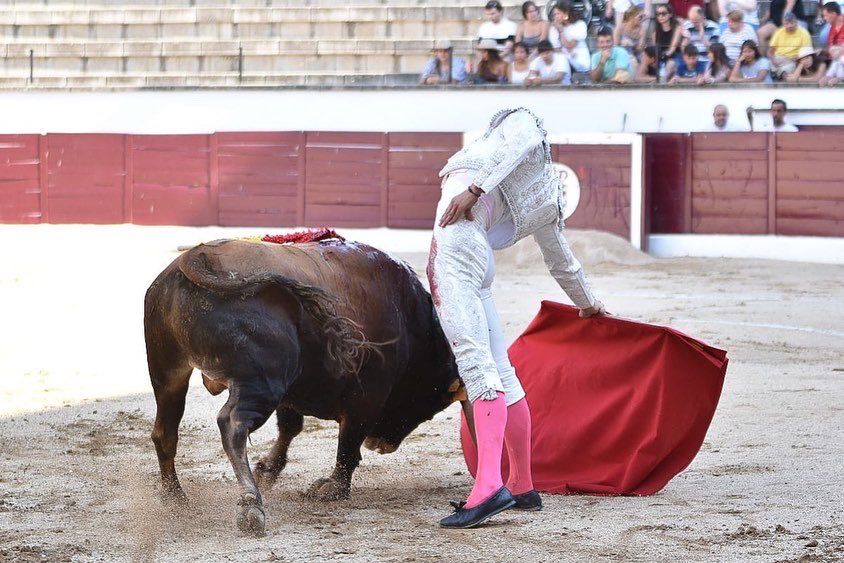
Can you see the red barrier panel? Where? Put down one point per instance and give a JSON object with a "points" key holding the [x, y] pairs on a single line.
{"points": [[20, 190]]}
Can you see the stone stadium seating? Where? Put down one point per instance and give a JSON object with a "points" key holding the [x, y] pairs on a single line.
{"points": [[228, 43]]}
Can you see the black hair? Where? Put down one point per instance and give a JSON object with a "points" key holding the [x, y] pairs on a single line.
{"points": [[494, 5], [778, 101], [544, 46], [752, 45], [527, 5], [691, 51], [606, 30], [832, 7]]}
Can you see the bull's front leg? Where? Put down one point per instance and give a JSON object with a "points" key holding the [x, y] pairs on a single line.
{"points": [[338, 485]]}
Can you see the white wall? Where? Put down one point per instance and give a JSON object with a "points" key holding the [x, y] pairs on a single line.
{"points": [[462, 109]]}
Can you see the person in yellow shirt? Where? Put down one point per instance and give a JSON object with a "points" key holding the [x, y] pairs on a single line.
{"points": [[785, 45]]}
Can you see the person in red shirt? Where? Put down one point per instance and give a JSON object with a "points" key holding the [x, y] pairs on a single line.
{"points": [[835, 39]]}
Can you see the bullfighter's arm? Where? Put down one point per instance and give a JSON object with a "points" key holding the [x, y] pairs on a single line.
{"points": [[520, 135], [566, 269]]}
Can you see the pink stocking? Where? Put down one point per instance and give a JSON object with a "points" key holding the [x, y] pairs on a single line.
{"points": [[517, 439], [490, 421]]}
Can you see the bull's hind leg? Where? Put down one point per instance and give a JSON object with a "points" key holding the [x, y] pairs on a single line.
{"points": [[171, 388], [246, 410], [273, 462], [339, 484]]}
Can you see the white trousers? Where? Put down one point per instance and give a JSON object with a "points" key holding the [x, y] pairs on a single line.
{"points": [[461, 268]]}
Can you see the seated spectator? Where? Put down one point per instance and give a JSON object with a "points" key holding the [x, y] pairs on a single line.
{"points": [[720, 121], [648, 69], [748, 9], [835, 74], [786, 44], [491, 67], [700, 32], [778, 111], [443, 67], [666, 34], [750, 66], [533, 28], [834, 27], [498, 28], [630, 32], [520, 67], [681, 8], [810, 67], [735, 35], [610, 64], [549, 67], [772, 20], [569, 35], [690, 70], [615, 10], [719, 68]]}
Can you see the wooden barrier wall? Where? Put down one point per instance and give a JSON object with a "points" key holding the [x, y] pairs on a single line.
{"points": [[746, 183]]}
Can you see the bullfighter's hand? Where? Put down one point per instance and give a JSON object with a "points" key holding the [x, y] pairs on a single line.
{"points": [[459, 207], [596, 309]]}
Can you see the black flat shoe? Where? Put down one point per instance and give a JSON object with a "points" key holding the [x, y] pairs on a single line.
{"points": [[528, 501], [471, 517]]}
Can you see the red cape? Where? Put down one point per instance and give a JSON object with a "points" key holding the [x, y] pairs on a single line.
{"points": [[618, 407]]}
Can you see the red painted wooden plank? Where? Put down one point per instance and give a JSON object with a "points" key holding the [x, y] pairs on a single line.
{"points": [[170, 143], [342, 215], [302, 181], [818, 209], [802, 189], [328, 156], [730, 188], [258, 138], [729, 225], [809, 227], [737, 207], [811, 141], [664, 156], [729, 141], [342, 197], [415, 192], [349, 139], [263, 163], [811, 171], [729, 170], [245, 189], [434, 141], [832, 158], [433, 160], [214, 179], [412, 176]]}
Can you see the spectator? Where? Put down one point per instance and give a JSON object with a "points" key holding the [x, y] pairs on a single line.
{"points": [[772, 20], [779, 124], [735, 35], [835, 28], [443, 67], [700, 32], [719, 65], [498, 28], [786, 44], [721, 121], [690, 70], [630, 33], [648, 69], [748, 9], [549, 67], [570, 32], [533, 28], [520, 67], [681, 8], [810, 67], [666, 34], [750, 66], [616, 9], [610, 64], [491, 67], [835, 74]]}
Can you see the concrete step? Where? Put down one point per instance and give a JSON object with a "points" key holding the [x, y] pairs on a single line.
{"points": [[204, 80]]}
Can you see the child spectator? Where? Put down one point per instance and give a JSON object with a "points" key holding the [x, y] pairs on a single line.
{"points": [[549, 67], [443, 67], [533, 28], [750, 66], [719, 65], [648, 69], [690, 70], [520, 67]]}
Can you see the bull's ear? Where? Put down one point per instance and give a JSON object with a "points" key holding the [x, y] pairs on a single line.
{"points": [[458, 390]]}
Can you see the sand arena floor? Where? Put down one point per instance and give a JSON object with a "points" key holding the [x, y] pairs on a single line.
{"points": [[78, 473]]}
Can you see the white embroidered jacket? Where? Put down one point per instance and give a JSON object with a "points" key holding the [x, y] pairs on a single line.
{"points": [[514, 156]]}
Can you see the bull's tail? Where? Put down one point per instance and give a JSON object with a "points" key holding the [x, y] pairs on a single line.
{"points": [[346, 346]]}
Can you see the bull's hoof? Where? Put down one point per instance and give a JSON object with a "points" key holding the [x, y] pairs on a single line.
{"points": [[174, 497], [265, 475], [252, 519], [328, 489]]}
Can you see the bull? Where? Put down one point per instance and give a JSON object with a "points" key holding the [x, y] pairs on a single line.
{"points": [[335, 330]]}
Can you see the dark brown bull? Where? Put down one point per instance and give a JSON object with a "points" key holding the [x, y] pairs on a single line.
{"points": [[335, 330]]}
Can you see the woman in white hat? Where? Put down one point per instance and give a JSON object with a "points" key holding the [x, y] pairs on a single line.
{"points": [[443, 67], [491, 67], [810, 67]]}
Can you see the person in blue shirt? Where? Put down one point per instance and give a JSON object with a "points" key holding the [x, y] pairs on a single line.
{"points": [[609, 63], [691, 69], [443, 66]]}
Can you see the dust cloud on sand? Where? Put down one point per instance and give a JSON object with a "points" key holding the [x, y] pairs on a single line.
{"points": [[78, 473]]}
